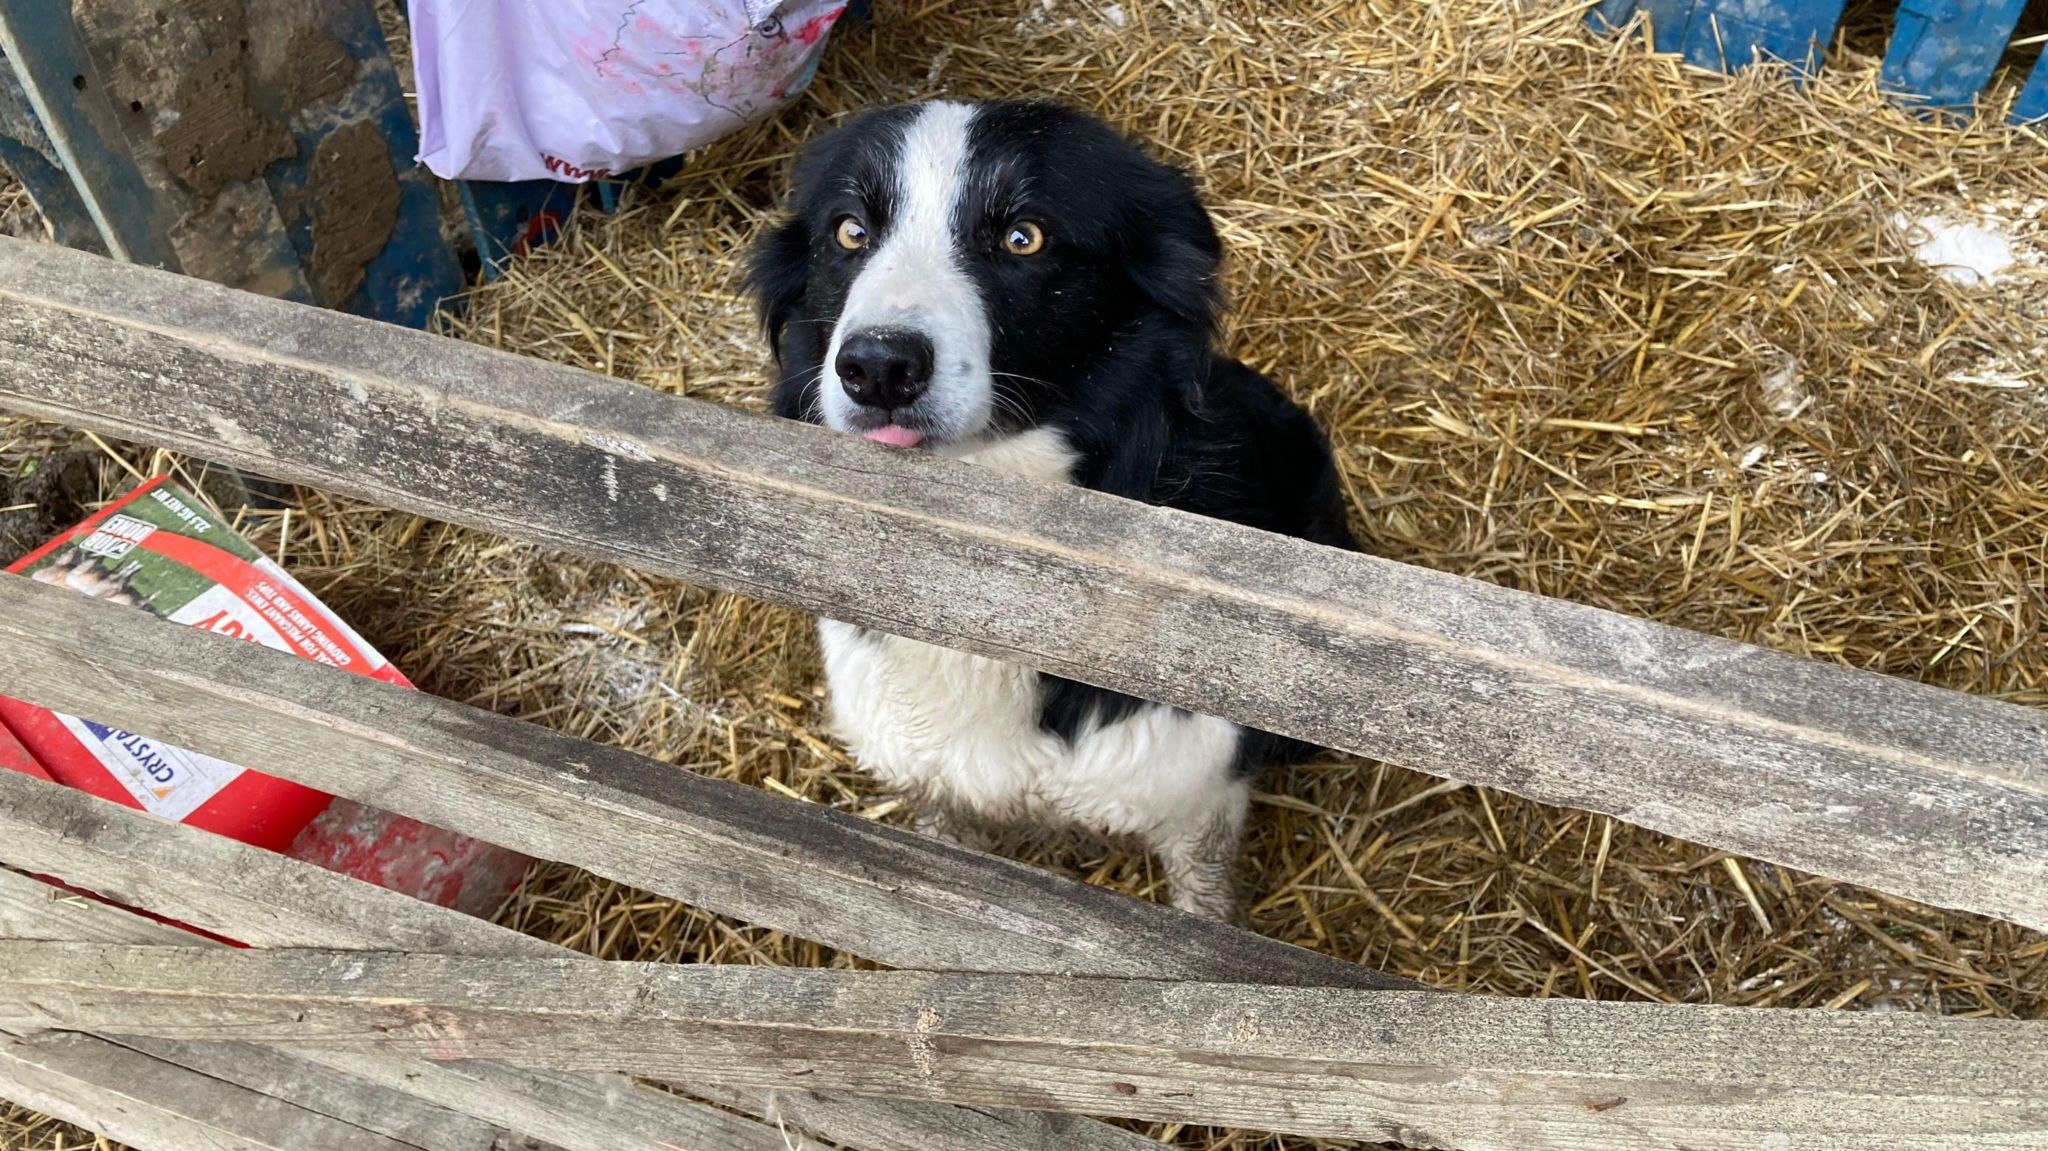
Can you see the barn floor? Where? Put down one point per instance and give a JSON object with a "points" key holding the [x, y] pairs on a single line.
{"points": [[1580, 321]]}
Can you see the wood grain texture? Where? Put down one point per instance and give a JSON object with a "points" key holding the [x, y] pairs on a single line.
{"points": [[268, 900], [256, 897], [571, 1111], [605, 1111], [1425, 1069], [93, 1092], [32, 909], [583, 1111], [1924, 793], [157, 1106], [377, 1108], [893, 896], [879, 1124]]}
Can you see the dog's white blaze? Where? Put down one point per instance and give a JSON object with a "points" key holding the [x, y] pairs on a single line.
{"points": [[964, 729], [916, 279]]}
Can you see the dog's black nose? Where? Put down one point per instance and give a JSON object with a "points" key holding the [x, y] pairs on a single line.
{"points": [[885, 367]]}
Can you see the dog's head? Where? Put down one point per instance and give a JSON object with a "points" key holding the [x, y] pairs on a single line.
{"points": [[956, 271]]}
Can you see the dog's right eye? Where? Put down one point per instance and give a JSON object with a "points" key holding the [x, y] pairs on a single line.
{"points": [[852, 234]]}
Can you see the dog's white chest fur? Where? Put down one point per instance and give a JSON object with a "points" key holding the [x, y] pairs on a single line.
{"points": [[963, 730]]}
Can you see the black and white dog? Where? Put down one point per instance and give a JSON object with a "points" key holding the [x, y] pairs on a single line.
{"points": [[1016, 285]]}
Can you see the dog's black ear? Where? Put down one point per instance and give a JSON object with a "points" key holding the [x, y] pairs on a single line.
{"points": [[777, 271], [1177, 258]]}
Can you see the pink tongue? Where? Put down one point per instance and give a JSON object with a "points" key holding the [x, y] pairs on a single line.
{"points": [[894, 435]]}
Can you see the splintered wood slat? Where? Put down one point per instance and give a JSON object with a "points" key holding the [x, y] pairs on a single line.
{"points": [[548, 1109], [34, 910], [155, 1105], [878, 1124], [382, 1109], [1465, 1071], [141, 1091], [260, 898], [270, 900], [1928, 794], [890, 895]]}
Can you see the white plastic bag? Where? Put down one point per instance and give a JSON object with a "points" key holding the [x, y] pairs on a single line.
{"points": [[576, 90]]}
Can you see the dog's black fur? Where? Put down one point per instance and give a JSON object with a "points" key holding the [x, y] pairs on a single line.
{"points": [[1106, 334]]}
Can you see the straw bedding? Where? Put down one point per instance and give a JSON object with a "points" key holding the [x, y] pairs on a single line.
{"points": [[1579, 320]]}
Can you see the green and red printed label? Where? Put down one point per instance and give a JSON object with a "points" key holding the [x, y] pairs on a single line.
{"points": [[160, 550]]}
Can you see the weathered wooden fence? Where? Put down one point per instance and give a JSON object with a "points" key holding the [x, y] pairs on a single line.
{"points": [[1025, 1000]]}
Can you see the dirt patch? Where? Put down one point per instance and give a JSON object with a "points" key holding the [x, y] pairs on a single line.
{"points": [[355, 206], [318, 70], [218, 138], [56, 493]]}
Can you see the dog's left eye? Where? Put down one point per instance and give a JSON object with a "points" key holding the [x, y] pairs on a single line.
{"points": [[1024, 238], [851, 233]]}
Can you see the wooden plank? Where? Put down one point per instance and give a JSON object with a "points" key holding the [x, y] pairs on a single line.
{"points": [[256, 897], [157, 1106], [32, 909], [610, 1112], [1426, 1069], [891, 895], [1943, 52], [385, 1110], [1927, 794], [572, 1111], [268, 900], [582, 1111], [878, 1124], [287, 1078]]}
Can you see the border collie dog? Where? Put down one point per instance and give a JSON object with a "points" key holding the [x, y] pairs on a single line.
{"points": [[1018, 286]]}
